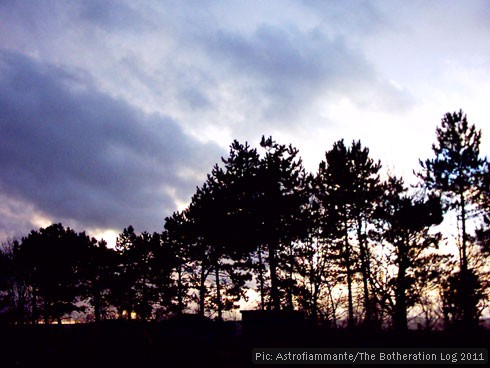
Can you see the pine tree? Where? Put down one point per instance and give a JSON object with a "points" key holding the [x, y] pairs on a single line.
{"points": [[403, 228], [349, 183], [456, 174]]}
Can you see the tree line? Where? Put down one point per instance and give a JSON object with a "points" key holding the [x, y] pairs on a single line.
{"points": [[342, 245]]}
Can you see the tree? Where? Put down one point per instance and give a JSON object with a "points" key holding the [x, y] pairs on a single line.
{"points": [[334, 180], [280, 198], [135, 285], [96, 272], [461, 293], [124, 277], [317, 261], [483, 233], [365, 192], [404, 224], [207, 248], [14, 290], [241, 225], [212, 237], [224, 226], [349, 187], [52, 258], [176, 256], [456, 173], [250, 204]]}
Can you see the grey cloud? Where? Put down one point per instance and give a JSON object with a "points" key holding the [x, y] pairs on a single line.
{"points": [[195, 99], [274, 73], [78, 154], [16, 218], [291, 69], [113, 16]]}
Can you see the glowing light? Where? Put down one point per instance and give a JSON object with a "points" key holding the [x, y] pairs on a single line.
{"points": [[108, 235]]}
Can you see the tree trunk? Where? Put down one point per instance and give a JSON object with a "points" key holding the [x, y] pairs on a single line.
{"points": [[347, 259], [261, 279], [289, 291], [218, 292], [276, 303], [464, 260], [202, 291], [400, 312], [314, 284], [314, 296], [179, 291], [351, 304], [465, 275], [333, 306], [364, 270]]}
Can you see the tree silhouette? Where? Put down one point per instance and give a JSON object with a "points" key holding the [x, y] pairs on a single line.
{"points": [[135, 289], [404, 225], [280, 200], [177, 256], [123, 295], [207, 229], [334, 180], [317, 260], [209, 249], [460, 296], [14, 289], [338, 241], [96, 272], [457, 169], [240, 184], [52, 257], [224, 218], [349, 185], [365, 191], [456, 173], [249, 204]]}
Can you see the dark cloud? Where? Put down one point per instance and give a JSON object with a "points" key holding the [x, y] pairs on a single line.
{"points": [[78, 154], [182, 58], [75, 143], [17, 218], [111, 15]]}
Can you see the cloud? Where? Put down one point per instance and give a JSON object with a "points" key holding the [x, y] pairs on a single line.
{"points": [[111, 15], [243, 67], [350, 18], [284, 73], [77, 154], [140, 86]]}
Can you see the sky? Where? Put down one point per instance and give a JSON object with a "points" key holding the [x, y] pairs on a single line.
{"points": [[113, 111]]}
